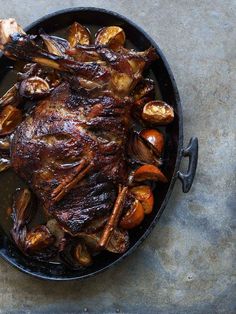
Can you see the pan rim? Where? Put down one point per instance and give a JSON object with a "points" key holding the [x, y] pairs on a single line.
{"points": [[178, 157]]}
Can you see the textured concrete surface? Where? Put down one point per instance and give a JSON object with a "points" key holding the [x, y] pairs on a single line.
{"points": [[187, 265]]}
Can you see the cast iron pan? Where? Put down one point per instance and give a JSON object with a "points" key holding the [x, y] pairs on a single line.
{"points": [[160, 71]]}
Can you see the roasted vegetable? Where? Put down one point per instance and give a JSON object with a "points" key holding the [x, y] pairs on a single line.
{"points": [[111, 36], [140, 151], [82, 255], [22, 214], [7, 28], [38, 239], [10, 118], [4, 164], [4, 143], [155, 138], [56, 230], [149, 172], [158, 112], [144, 194], [34, 87], [133, 217], [145, 88], [78, 34], [22, 211], [11, 97], [118, 242], [55, 45]]}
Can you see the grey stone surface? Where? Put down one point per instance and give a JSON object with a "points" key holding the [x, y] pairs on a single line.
{"points": [[187, 265]]}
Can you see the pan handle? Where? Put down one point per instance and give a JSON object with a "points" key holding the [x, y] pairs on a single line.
{"points": [[192, 152]]}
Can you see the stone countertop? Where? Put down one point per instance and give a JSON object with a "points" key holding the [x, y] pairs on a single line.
{"points": [[187, 265]]}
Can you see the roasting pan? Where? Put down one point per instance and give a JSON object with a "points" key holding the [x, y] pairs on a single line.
{"points": [[95, 18]]}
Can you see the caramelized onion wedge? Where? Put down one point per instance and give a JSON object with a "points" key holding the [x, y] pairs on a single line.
{"points": [[133, 217], [82, 255], [139, 150], [149, 172], [4, 144], [34, 87], [78, 34], [145, 88], [11, 97], [154, 137], [144, 194], [112, 36], [4, 164], [38, 239], [22, 212], [158, 112], [119, 241], [56, 230], [55, 45], [10, 118]]}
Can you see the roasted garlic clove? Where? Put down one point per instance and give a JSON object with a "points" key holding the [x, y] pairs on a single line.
{"points": [[78, 34], [4, 164], [155, 138], [38, 239], [144, 194], [133, 217], [149, 172], [10, 118], [112, 36], [11, 97], [34, 87], [82, 256], [158, 112]]}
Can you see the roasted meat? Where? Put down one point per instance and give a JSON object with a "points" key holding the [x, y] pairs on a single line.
{"points": [[69, 137], [75, 145]]}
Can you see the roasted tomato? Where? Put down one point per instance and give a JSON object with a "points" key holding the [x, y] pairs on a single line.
{"points": [[149, 172], [133, 217], [154, 137], [144, 194], [158, 112], [78, 34], [112, 36]]}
